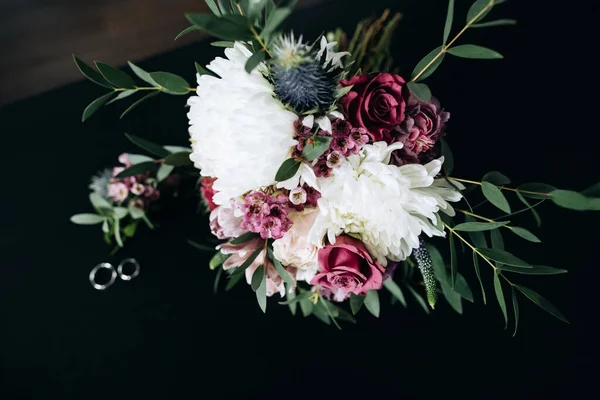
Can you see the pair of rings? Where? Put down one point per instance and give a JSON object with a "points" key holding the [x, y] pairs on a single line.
{"points": [[114, 272]]}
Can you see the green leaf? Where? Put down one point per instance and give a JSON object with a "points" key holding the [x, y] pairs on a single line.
{"points": [[254, 60], [87, 219], [532, 190], [452, 297], [130, 229], [217, 280], [395, 290], [495, 196], [217, 260], [255, 8], [136, 213], [275, 19], [288, 3], [171, 83], [453, 261], [202, 247], [314, 150], [448, 157], [538, 220], [147, 145], [120, 212], [439, 267], [290, 295], [478, 273], [287, 170], [222, 43], [143, 75], [115, 76], [541, 302], [220, 27], [203, 71], [306, 306], [187, 30], [356, 302], [321, 313], [163, 172], [105, 226], [246, 237], [574, 201], [137, 103], [477, 237], [425, 63], [122, 95], [99, 203], [261, 293], [270, 8], [257, 277], [515, 303], [480, 226], [372, 302], [463, 289], [136, 169], [95, 106], [225, 6], [497, 241], [234, 279], [117, 231], [420, 90], [479, 10], [592, 191], [473, 51], [138, 158], [248, 262], [504, 257], [496, 178], [177, 149], [418, 298], [449, 18], [287, 278], [91, 73], [534, 270], [178, 159], [304, 294], [525, 234], [213, 7], [329, 312], [500, 297], [498, 22]]}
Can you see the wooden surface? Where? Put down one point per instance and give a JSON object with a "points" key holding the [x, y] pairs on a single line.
{"points": [[39, 36]]}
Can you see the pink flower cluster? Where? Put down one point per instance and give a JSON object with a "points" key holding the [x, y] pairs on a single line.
{"points": [[140, 189], [302, 197], [267, 215]]}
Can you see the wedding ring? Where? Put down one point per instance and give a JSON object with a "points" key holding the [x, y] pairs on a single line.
{"points": [[113, 276], [135, 273]]}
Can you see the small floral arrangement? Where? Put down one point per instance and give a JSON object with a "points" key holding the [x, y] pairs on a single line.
{"points": [[326, 173]]}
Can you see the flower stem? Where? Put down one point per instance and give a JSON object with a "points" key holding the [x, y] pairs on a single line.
{"points": [[473, 248], [259, 40], [446, 46], [501, 187], [475, 215]]}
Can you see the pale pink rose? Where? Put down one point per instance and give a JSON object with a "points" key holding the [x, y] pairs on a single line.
{"points": [[224, 224], [295, 250], [118, 191], [124, 159], [137, 189], [117, 171]]}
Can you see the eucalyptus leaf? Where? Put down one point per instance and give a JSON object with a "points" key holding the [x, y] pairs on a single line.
{"points": [[95, 106], [314, 150], [574, 200], [143, 75], [478, 273], [257, 277], [213, 7], [525, 234], [495, 196], [418, 298], [534, 270], [99, 203], [105, 226], [425, 63], [496, 178], [255, 9], [163, 172], [449, 18], [261, 293], [331, 313], [178, 159], [498, 22], [254, 60], [479, 226], [536, 190], [306, 306], [420, 90], [91, 73], [246, 237], [202, 247], [222, 43], [136, 213], [453, 261], [515, 303], [479, 10], [287, 170], [448, 157], [497, 240], [187, 30], [87, 219], [541, 302], [500, 297], [536, 216], [177, 149], [138, 158], [275, 19], [290, 295], [395, 290], [592, 191], [147, 145], [122, 95], [439, 266], [171, 83], [217, 260], [452, 297], [234, 279], [463, 289], [137, 103], [477, 237], [115, 76], [372, 302], [217, 280], [120, 212], [503, 257], [287, 278], [474, 51], [136, 169], [220, 27]]}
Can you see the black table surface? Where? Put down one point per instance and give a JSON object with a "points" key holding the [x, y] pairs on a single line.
{"points": [[167, 335]]}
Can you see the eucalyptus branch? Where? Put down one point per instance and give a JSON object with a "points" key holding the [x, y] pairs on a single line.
{"points": [[473, 248], [501, 187]]}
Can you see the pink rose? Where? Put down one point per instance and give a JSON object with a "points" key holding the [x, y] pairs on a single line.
{"points": [[376, 103], [347, 267]]}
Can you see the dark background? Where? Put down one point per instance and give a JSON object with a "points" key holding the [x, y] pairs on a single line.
{"points": [[165, 335]]}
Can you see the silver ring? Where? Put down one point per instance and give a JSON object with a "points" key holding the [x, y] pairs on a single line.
{"points": [[135, 273], [113, 276]]}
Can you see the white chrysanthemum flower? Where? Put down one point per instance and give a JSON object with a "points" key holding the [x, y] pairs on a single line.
{"points": [[240, 133], [387, 206]]}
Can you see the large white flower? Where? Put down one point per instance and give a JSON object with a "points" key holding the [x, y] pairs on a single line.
{"points": [[387, 206], [240, 132]]}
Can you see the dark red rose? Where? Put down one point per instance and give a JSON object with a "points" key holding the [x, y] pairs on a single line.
{"points": [[206, 188], [347, 267], [376, 103]]}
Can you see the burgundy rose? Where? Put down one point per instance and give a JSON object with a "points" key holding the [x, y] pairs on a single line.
{"points": [[376, 104], [347, 267], [420, 131], [207, 191]]}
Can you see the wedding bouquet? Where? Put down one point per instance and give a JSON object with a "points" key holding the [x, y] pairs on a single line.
{"points": [[325, 172]]}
